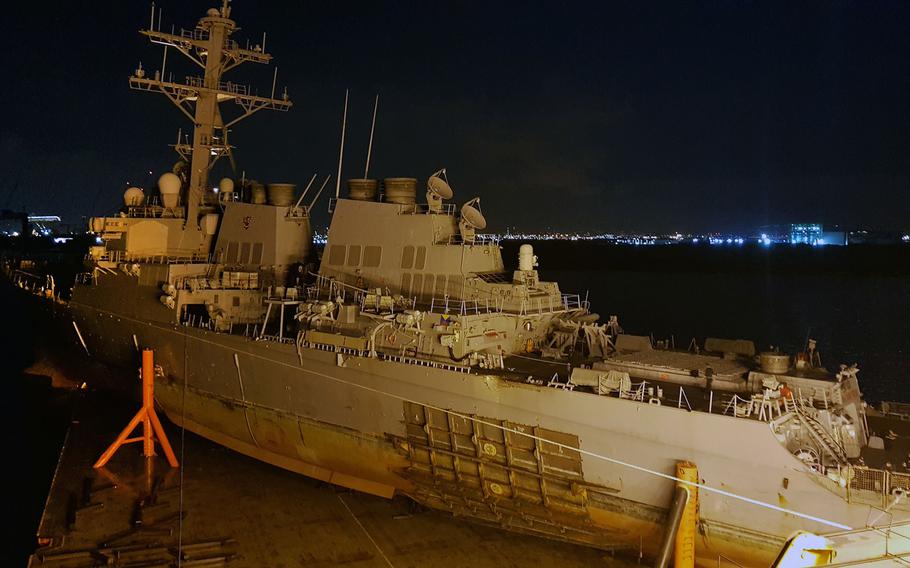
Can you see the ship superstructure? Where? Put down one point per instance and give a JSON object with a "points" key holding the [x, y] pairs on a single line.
{"points": [[414, 361]]}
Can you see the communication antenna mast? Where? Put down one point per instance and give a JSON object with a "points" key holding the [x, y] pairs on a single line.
{"points": [[344, 123], [209, 46], [366, 170]]}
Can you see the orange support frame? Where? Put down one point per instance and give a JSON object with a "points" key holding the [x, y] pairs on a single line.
{"points": [[151, 426]]}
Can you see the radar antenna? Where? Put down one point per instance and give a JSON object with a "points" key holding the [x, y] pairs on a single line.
{"points": [[472, 220], [209, 46], [438, 189]]}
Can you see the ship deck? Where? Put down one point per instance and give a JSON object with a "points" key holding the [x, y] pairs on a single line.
{"points": [[693, 397], [684, 362], [239, 512], [689, 395]]}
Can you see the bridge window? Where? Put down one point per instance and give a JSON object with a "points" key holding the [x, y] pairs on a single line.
{"points": [[244, 253], [405, 283], [336, 255], [421, 258], [231, 253], [257, 254], [407, 257], [372, 255], [354, 255]]}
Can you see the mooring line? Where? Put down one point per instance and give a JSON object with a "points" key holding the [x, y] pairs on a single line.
{"points": [[366, 532]]}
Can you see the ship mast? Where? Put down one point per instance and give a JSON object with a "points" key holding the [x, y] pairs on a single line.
{"points": [[209, 46]]}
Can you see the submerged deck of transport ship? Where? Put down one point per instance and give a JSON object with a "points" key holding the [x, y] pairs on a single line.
{"points": [[239, 512]]}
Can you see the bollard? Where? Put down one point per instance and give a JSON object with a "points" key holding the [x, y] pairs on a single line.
{"points": [[684, 556]]}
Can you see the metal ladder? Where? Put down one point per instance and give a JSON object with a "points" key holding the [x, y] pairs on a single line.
{"points": [[817, 431]]}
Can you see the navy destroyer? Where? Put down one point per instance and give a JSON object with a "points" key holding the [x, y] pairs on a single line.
{"points": [[413, 359]]}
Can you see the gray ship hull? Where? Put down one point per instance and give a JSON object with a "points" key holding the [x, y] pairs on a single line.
{"points": [[349, 420]]}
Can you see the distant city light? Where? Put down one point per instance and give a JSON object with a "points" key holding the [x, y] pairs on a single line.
{"points": [[320, 238], [766, 239]]}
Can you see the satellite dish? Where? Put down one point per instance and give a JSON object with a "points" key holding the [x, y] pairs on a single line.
{"points": [[226, 185], [472, 216], [438, 187]]}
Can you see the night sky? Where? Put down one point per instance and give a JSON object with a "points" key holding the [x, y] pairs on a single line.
{"points": [[617, 117]]}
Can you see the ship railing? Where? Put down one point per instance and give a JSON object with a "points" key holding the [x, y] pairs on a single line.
{"points": [[813, 398], [460, 306], [476, 240], [530, 306], [124, 256], [332, 288], [328, 347], [424, 209], [575, 302], [195, 33], [549, 304], [711, 402], [899, 410], [199, 321], [85, 278], [236, 281], [39, 284], [276, 339], [880, 488], [226, 86], [152, 210], [425, 363], [407, 209], [298, 213]]}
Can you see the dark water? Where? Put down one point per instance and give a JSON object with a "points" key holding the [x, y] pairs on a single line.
{"points": [[856, 303], [35, 418]]}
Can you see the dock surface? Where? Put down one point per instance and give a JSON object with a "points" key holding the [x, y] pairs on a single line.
{"points": [[225, 509]]}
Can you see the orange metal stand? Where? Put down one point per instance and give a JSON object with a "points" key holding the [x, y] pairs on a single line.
{"points": [[147, 416]]}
